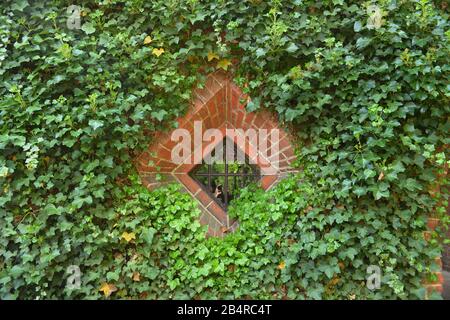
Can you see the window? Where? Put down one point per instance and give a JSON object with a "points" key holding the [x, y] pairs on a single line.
{"points": [[225, 172]]}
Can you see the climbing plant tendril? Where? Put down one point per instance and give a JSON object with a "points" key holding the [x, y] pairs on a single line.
{"points": [[364, 86]]}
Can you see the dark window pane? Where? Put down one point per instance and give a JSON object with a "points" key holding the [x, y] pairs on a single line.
{"points": [[223, 179]]}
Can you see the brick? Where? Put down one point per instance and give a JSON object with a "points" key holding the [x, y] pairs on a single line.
{"points": [[211, 232], [212, 110], [288, 153], [165, 170], [233, 118], [284, 144], [218, 212], [204, 219], [169, 144], [440, 277], [147, 160], [221, 106], [283, 164], [182, 121], [164, 154], [268, 181], [165, 163], [184, 168], [196, 105], [270, 122], [144, 169], [203, 115], [229, 105], [432, 223], [153, 186], [149, 179], [215, 121], [204, 198], [203, 94], [243, 101], [239, 119], [195, 117], [156, 180], [433, 288], [189, 183], [258, 121], [234, 99], [221, 78], [220, 100], [248, 120], [189, 126], [276, 157], [212, 85]]}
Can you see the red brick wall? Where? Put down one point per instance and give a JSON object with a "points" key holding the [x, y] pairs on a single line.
{"points": [[436, 285], [219, 105], [446, 255], [434, 222], [446, 249]]}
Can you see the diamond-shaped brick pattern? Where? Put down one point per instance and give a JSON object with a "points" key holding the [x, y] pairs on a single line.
{"points": [[219, 105]]}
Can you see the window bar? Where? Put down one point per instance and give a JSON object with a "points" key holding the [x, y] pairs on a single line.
{"points": [[225, 183], [209, 178], [232, 180]]}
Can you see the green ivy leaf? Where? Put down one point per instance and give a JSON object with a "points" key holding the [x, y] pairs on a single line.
{"points": [[95, 124], [357, 26], [88, 28]]}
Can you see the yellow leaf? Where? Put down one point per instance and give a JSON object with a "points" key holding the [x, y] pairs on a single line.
{"points": [[107, 289], [334, 281], [128, 236], [148, 40], [143, 295], [282, 265], [136, 276], [212, 56], [224, 64], [158, 52]]}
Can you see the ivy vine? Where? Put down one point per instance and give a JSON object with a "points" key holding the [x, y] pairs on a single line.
{"points": [[364, 85]]}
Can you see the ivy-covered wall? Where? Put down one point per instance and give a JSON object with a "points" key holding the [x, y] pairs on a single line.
{"points": [[366, 89]]}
